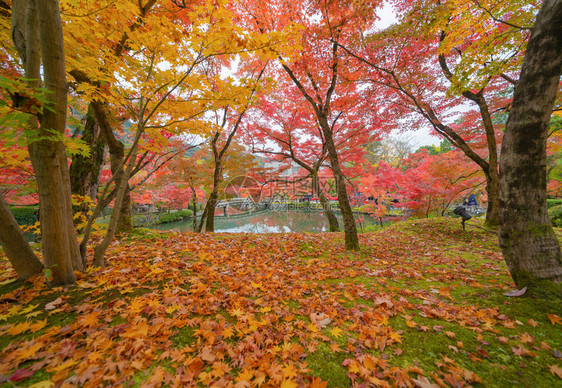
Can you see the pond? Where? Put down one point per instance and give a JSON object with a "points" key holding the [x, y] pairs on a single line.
{"points": [[268, 221]]}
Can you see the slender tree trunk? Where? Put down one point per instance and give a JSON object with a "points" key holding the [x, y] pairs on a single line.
{"points": [[202, 220], [117, 154], [194, 198], [332, 220], [528, 243], [125, 222], [15, 245], [350, 229], [99, 250], [212, 201], [493, 193]]}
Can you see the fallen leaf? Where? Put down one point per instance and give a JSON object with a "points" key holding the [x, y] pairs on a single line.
{"points": [[21, 374], [52, 305], [516, 292], [423, 382], [554, 319], [556, 370]]}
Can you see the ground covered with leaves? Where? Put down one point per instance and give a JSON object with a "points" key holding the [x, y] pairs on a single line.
{"points": [[421, 305]]}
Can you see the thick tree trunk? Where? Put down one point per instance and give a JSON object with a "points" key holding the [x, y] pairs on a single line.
{"points": [[350, 229], [332, 220], [528, 243], [15, 245], [42, 37]]}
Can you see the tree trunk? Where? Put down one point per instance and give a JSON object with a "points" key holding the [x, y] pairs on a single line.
{"points": [[332, 220], [42, 37], [350, 229], [493, 193], [117, 154], [99, 250], [15, 245], [528, 243], [125, 222], [212, 201], [194, 198], [85, 171]]}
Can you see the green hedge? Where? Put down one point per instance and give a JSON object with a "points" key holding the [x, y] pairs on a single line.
{"points": [[555, 214], [173, 217], [186, 213], [553, 202], [25, 215]]}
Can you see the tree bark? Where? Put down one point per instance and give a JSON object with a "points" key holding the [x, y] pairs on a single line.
{"points": [[15, 245], [117, 154], [100, 249], [528, 243], [212, 201], [85, 171], [42, 37], [194, 198], [350, 229], [332, 220]]}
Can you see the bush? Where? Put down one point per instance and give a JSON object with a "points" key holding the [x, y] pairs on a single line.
{"points": [[555, 214], [185, 213], [26, 215], [553, 202], [169, 217]]}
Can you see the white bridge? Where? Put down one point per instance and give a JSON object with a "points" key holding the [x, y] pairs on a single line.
{"points": [[238, 203]]}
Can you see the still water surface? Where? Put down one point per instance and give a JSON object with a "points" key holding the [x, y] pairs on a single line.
{"points": [[266, 222]]}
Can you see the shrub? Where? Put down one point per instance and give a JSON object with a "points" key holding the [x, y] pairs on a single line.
{"points": [[555, 214], [26, 215], [185, 213], [553, 202], [169, 217]]}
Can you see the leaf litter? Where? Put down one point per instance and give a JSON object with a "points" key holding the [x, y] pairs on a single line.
{"points": [[269, 310]]}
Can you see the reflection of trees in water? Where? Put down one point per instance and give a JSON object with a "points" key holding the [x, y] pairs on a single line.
{"points": [[265, 222]]}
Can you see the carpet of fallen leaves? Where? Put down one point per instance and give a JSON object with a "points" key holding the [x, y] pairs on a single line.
{"points": [[421, 305]]}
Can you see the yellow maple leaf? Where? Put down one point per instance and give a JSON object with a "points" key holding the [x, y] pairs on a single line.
{"points": [[38, 325], [257, 285], [289, 371], [227, 332], [43, 384], [29, 351], [140, 329], [336, 332], [19, 328], [29, 308], [245, 375], [289, 384]]}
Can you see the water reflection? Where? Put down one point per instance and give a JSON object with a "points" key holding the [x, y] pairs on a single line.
{"points": [[266, 222]]}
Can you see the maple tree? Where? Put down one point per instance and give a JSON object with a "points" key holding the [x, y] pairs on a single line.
{"points": [[530, 247], [285, 121], [318, 70], [37, 34], [469, 54], [225, 125]]}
